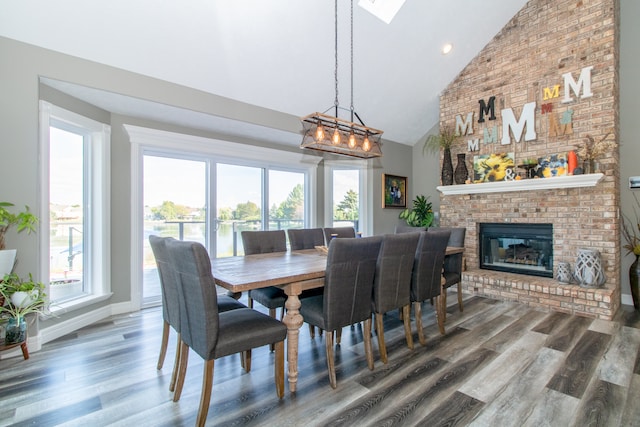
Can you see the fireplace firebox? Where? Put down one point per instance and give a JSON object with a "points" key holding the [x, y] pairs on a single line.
{"points": [[517, 248]]}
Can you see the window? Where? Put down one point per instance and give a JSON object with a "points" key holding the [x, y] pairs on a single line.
{"points": [[239, 189], [345, 202], [75, 165]]}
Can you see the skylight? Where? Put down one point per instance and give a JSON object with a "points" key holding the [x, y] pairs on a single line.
{"points": [[384, 10]]}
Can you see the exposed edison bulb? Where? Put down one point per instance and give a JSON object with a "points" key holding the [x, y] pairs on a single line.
{"points": [[352, 140], [336, 137], [366, 145], [319, 132]]}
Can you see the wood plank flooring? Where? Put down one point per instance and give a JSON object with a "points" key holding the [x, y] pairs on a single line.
{"points": [[499, 364]]}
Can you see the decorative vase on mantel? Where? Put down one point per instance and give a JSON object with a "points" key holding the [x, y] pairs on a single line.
{"points": [[588, 166], [462, 173], [447, 168], [634, 270]]}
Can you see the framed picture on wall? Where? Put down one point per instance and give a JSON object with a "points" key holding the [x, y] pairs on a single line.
{"points": [[394, 191]]}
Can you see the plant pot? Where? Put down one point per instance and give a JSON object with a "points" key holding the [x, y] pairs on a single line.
{"points": [[23, 299], [7, 261], [16, 331], [634, 270]]}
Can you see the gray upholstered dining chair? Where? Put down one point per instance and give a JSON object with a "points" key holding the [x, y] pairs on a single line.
{"points": [[426, 278], [261, 242], [392, 283], [212, 334], [170, 305], [346, 297], [453, 265], [408, 229], [305, 238], [340, 232]]}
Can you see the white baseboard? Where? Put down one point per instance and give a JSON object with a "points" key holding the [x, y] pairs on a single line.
{"points": [[68, 326], [626, 299]]}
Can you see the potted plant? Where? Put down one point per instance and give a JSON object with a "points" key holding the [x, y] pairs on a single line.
{"points": [[443, 140], [23, 220], [421, 215], [21, 298]]}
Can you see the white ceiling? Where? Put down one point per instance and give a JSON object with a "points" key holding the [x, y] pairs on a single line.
{"points": [[276, 54]]}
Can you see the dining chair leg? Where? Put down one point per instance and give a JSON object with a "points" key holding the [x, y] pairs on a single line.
{"points": [[279, 368], [205, 396], [330, 362], [368, 347], [406, 319], [382, 348], [176, 364], [417, 308], [338, 336], [163, 344], [249, 302], [182, 372], [312, 330], [460, 297], [443, 297], [247, 360], [282, 313], [441, 312]]}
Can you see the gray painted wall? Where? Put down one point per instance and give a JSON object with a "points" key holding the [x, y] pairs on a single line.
{"points": [[629, 123]]}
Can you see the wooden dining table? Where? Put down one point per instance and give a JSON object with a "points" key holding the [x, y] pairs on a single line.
{"points": [[293, 271]]}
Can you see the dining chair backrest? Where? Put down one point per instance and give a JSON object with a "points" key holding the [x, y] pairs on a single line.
{"points": [[394, 266], [428, 263], [264, 241], [305, 238], [453, 263], [340, 232], [197, 295], [168, 284], [351, 267], [408, 229], [457, 235]]}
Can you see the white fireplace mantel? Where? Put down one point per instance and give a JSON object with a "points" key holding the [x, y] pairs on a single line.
{"points": [[572, 181]]}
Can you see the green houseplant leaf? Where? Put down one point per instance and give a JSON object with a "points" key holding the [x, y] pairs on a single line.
{"points": [[23, 220], [421, 215]]}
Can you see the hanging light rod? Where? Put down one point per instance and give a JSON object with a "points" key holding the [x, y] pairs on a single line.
{"points": [[331, 134]]}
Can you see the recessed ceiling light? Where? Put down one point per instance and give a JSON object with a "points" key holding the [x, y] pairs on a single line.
{"points": [[447, 48]]}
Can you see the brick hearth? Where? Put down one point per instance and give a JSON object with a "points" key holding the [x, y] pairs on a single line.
{"points": [[542, 292]]}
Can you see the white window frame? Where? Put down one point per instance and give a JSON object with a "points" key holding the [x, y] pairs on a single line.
{"points": [[97, 194], [365, 215], [148, 141]]}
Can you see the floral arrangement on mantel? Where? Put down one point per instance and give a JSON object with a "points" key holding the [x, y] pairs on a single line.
{"points": [[593, 149], [631, 231]]}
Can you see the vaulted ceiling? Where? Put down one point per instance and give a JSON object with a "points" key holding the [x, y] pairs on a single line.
{"points": [[276, 54]]}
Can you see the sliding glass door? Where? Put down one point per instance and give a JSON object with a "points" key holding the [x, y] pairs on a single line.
{"points": [[175, 205]]}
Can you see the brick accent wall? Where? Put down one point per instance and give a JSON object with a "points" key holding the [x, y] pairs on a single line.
{"points": [[546, 39]]}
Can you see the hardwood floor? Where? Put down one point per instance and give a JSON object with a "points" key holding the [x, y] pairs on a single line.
{"points": [[499, 364]]}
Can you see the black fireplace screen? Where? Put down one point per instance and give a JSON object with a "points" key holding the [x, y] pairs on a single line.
{"points": [[517, 248]]}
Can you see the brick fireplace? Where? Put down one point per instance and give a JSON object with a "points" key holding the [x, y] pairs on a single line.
{"points": [[522, 67]]}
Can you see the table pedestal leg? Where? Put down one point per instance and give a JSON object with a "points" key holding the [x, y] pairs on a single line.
{"points": [[293, 320]]}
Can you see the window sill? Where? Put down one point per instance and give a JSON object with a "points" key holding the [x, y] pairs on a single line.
{"points": [[573, 181], [75, 304]]}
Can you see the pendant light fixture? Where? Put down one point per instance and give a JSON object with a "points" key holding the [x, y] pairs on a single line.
{"points": [[333, 134]]}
